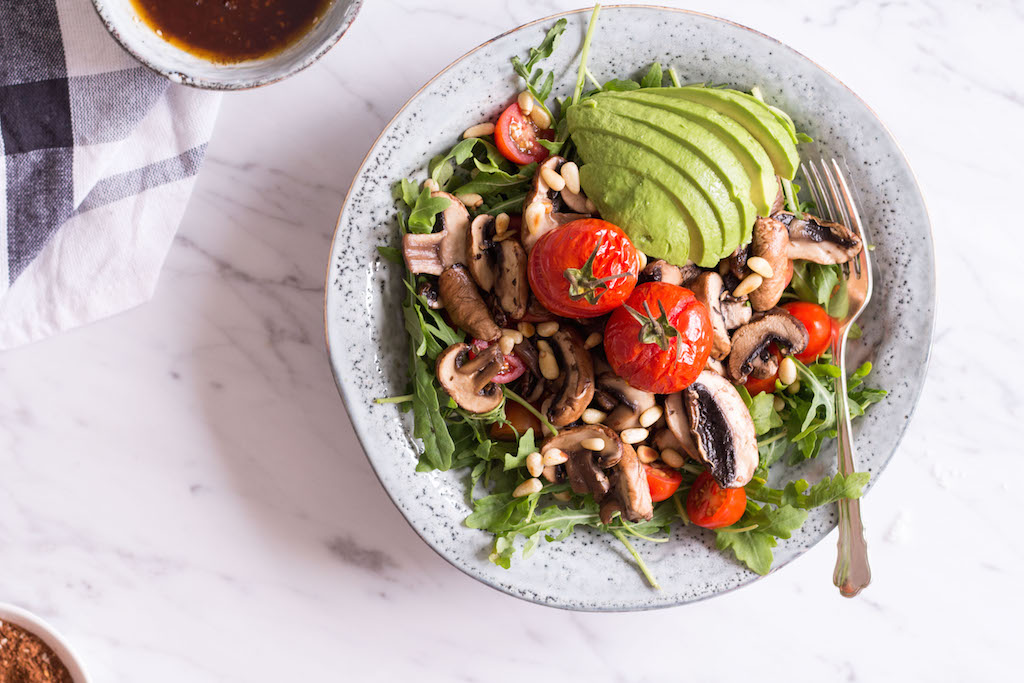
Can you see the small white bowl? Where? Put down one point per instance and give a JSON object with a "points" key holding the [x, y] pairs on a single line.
{"points": [[125, 25], [48, 635]]}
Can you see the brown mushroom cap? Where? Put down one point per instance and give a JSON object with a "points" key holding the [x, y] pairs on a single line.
{"points": [[708, 288], [630, 494], [750, 343], [630, 401], [661, 270], [431, 253], [512, 285], [820, 241], [722, 429], [679, 425], [771, 242], [570, 441], [576, 387], [481, 255], [735, 311], [465, 305], [468, 381], [541, 194]]}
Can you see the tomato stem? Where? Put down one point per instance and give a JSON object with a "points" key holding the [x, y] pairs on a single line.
{"points": [[583, 284], [656, 330]]}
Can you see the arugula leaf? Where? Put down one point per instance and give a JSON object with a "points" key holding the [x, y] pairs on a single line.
{"points": [[753, 546], [497, 182], [653, 77], [533, 76], [527, 446], [802, 495], [391, 254], [620, 85], [762, 410]]}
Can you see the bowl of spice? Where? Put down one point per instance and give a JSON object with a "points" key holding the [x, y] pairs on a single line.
{"points": [[227, 44], [31, 651]]}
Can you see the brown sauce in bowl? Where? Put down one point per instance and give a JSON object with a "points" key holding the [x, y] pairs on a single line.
{"points": [[231, 30]]}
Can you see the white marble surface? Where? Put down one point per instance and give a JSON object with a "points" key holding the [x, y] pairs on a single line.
{"points": [[182, 495]]}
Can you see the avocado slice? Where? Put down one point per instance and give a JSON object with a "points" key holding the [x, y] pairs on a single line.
{"points": [[604, 137], [704, 143], [751, 113], [628, 198], [763, 185]]}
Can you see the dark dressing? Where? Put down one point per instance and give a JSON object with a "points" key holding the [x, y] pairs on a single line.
{"points": [[231, 30]]}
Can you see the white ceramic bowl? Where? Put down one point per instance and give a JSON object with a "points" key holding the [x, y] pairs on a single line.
{"points": [[124, 24], [48, 635]]}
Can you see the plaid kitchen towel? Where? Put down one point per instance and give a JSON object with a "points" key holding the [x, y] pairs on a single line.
{"points": [[99, 156]]}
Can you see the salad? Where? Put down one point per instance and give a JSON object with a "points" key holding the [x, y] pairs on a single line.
{"points": [[621, 315]]}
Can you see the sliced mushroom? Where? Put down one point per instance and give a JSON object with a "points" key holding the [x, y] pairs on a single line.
{"points": [[542, 210], [630, 494], [735, 311], [429, 291], [604, 401], [576, 387], [722, 429], [715, 366], [780, 200], [468, 381], [662, 271], [664, 438], [708, 288], [817, 240], [771, 242], [679, 425], [464, 304], [482, 256], [430, 254], [512, 285], [750, 343], [738, 261], [631, 401]]}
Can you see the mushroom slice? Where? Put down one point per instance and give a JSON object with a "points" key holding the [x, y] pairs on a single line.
{"points": [[464, 304], [630, 493], [715, 366], [771, 242], [430, 293], [722, 429], [512, 285], [735, 311], [679, 426], [585, 468], [577, 378], [750, 343], [820, 241], [542, 210], [738, 261], [482, 258], [430, 254], [708, 287], [468, 381], [661, 270], [631, 401]]}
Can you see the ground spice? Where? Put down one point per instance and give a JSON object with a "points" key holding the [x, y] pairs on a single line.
{"points": [[24, 658]]}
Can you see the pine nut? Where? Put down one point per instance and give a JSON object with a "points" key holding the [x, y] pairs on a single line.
{"points": [[478, 131], [528, 487], [527, 329], [554, 456], [593, 340], [651, 415], [533, 215], [593, 416], [748, 285], [508, 234], [547, 360], [501, 222], [633, 435], [516, 335], [562, 496], [541, 118], [571, 175], [778, 404], [787, 371], [793, 388], [506, 344], [760, 266], [431, 185], [547, 329], [646, 454], [672, 458], [534, 464], [591, 206], [525, 102], [643, 259], [552, 179], [470, 199], [551, 474], [594, 443]]}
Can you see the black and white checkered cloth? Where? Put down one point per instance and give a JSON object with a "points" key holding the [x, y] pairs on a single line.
{"points": [[99, 156]]}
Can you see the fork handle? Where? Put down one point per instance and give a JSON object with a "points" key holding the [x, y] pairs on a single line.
{"points": [[853, 573]]}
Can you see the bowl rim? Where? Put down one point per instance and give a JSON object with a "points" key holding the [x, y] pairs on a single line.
{"points": [[181, 78], [363, 442], [49, 635]]}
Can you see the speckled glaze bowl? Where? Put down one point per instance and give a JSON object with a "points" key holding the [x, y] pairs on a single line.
{"points": [[135, 36], [367, 343]]}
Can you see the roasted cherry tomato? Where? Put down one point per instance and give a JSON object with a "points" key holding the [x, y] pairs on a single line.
{"points": [[662, 480], [518, 417], [583, 269], [516, 137], [710, 506], [819, 328], [513, 368], [756, 386], [660, 340]]}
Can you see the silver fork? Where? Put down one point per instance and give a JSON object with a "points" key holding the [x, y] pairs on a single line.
{"points": [[832, 195]]}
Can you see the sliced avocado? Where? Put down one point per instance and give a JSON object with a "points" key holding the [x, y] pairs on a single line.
{"points": [[763, 185], [704, 143], [754, 115], [629, 198], [601, 136]]}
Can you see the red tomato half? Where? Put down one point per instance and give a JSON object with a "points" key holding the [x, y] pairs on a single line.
{"points": [[757, 386], [583, 269], [710, 506], [516, 137], [819, 328], [633, 349], [662, 480], [513, 368]]}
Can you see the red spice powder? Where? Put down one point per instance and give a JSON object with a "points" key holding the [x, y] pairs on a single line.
{"points": [[24, 658]]}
